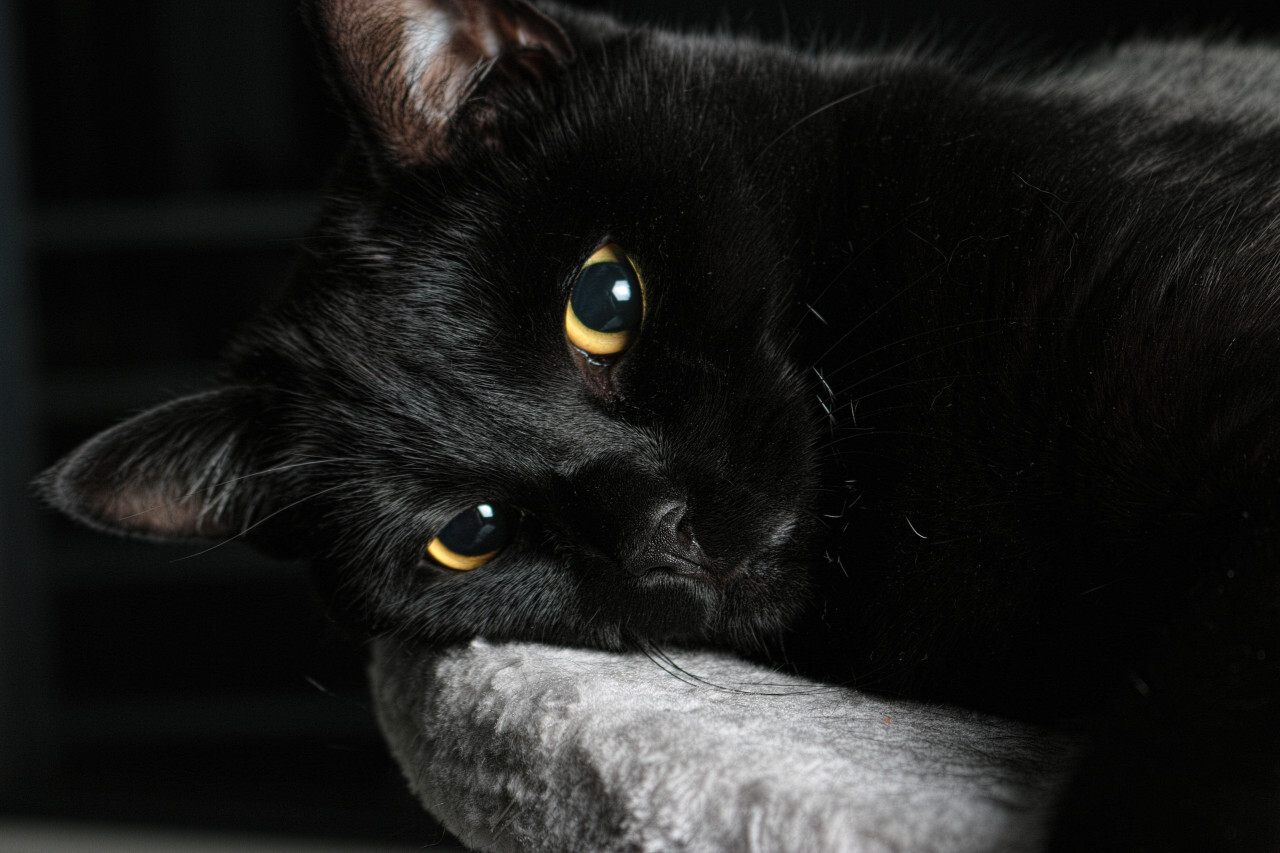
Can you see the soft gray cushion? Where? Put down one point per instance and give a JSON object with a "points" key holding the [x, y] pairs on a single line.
{"points": [[534, 748]]}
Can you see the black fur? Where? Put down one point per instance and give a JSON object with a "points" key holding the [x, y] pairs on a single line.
{"points": [[969, 382]]}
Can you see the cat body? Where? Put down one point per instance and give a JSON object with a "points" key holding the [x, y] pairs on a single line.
{"points": [[952, 384]]}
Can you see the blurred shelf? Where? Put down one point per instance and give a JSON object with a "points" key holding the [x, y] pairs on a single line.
{"points": [[164, 170], [27, 836], [201, 718], [183, 222], [85, 558], [112, 392]]}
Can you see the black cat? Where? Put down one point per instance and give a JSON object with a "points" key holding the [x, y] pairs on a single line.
{"points": [[950, 383]]}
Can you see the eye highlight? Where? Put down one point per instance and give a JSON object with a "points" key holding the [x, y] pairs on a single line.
{"points": [[473, 537], [606, 306]]}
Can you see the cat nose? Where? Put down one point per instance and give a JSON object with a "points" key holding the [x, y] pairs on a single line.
{"points": [[669, 545]]}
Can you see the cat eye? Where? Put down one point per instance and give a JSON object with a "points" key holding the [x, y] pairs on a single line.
{"points": [[474, 536], [606, 306]]}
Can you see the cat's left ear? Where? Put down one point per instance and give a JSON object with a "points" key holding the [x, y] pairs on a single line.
{"points": [[187, 469], [416, 72]]}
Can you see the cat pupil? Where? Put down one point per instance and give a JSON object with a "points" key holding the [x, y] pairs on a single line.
{"points": [[476, 531], [606, 299], [473, 536]]}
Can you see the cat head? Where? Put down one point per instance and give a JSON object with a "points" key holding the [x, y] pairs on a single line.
{"points": [[532, 377]]}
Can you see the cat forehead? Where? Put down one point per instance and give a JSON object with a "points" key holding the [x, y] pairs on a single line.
{"points": [[439, 289], [498, 250]]}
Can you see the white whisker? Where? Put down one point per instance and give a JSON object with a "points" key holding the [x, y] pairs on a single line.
{"points": [[835, 103], [219, 484], [259, 522]]}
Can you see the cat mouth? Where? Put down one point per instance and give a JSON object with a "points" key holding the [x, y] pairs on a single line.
{"points": [[731, 607], [722, 597], [667, 575], [720, 574], [709, 576]]}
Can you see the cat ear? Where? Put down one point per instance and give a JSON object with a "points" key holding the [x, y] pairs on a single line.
{"points": [[416, 71], [174, 472]]}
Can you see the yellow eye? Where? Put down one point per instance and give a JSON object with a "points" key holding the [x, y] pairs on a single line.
{"points": [[473, 537], [606, 306]]}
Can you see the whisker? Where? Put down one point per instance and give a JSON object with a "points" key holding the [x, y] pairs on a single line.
{"points": [[830, 104], [664, 661], [879, 433], [923, 380], [259, 522], [219, 484], [853, 259], [926, 333], [871, 314]]}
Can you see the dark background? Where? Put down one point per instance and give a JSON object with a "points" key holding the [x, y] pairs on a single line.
{"points": [[159, 160]]}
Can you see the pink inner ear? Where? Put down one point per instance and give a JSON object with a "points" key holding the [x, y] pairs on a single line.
{"points": [[411, 65], [505, 28], [173, 472], [159, 512]]}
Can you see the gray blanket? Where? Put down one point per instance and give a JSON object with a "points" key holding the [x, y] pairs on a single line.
{"points": [[533, 748]]}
